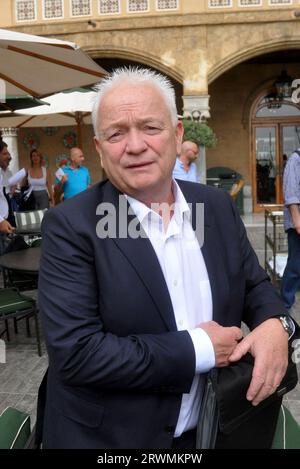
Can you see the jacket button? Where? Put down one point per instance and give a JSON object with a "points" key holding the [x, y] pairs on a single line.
{"points": [[170, 429]]}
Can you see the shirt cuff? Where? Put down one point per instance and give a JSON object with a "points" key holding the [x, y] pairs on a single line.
{"points": [[1, 219], [204, 350], [291, 200]]}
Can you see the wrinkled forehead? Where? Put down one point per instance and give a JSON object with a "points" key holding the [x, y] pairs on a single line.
{"points": [[130, 96]]}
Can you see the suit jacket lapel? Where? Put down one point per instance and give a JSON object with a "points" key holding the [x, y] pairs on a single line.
{"points": [[141, 255]]}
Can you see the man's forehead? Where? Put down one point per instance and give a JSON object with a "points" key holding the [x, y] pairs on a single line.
{"points": [[131, 94], [143, 101]]}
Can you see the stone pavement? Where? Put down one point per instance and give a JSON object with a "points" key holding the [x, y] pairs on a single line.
{"points": [[20, 376]]}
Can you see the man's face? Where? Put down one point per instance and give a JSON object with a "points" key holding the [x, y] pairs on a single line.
{"points": [[137, 142], [190, 150], [77, 157], [4, 158]]}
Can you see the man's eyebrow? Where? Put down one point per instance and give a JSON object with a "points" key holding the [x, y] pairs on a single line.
{"points": [[122, 123], [155, 120]]}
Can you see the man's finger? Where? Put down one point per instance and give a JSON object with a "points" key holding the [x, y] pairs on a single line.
{"points": [[256, 385], [240, 350]]}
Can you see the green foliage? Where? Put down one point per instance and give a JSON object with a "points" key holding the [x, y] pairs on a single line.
{"points": [[199, 132]]}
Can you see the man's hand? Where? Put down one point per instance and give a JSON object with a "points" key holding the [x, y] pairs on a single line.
{"points": [[268, 344], [64, 179], [224, 340], [5, 227]]}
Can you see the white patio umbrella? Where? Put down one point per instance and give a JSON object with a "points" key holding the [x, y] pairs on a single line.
{"points": [[67, 108], [39, 66]]}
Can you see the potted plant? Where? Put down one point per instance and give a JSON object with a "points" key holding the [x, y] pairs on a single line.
{"points": [[199, 132], [203, 135]]}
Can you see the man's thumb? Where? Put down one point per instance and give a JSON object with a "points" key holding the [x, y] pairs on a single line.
{"points": [[240, 350]]}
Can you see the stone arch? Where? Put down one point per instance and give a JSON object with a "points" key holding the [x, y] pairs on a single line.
{"points": [[145, 58], [248, 53], [253, 98]]}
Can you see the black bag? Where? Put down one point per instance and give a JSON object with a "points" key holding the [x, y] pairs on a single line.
{"points": [[17, 243], [227, 419], [26, 200]]}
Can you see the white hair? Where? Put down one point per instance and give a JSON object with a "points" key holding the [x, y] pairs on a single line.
{"points": [[135, 75]]}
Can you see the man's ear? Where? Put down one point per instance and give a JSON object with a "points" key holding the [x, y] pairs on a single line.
{"points": [[97, 145], [179, 131]]}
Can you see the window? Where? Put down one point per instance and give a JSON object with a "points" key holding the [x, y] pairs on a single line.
{"points": [[108, 7], [167, 4], [280, 2], [250, 3], [80, 7], [25, 10], [220, 3], [135, 6], [52, 9]]}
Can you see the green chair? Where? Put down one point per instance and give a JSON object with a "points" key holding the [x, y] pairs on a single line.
{"points": [[30, 218], [287, 433], [14, 305], [14, 429], [36, 243]]}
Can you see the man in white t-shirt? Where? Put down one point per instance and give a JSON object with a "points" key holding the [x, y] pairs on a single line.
{"points": [[5, 173]]}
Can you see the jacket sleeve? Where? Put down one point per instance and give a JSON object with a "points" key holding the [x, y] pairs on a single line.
{"points": [[80, 350]]}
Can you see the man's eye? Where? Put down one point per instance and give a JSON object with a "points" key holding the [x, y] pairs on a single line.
{"points": [[151, 129], [115, 136]]}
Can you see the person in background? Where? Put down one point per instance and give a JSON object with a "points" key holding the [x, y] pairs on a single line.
{"points": [[39, 181], [7, 222], [185, 167], [135, 306], [77, 177], [291, 191]]}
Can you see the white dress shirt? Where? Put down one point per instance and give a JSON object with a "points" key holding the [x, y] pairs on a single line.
{"points": [[184, 269]]}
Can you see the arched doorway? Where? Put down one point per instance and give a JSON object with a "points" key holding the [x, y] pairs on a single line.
{"points": [[275, 134]]}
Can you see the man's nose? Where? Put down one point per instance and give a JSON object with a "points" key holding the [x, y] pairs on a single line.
{"points": [[135, 142]]}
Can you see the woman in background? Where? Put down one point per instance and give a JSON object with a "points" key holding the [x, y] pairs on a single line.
{"points": [[39, 179]]}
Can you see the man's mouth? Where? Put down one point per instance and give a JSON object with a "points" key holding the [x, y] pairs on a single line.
{"points": [[139, 165]]}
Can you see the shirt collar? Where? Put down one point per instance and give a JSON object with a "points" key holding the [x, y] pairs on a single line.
{"points": [[181, 207]]}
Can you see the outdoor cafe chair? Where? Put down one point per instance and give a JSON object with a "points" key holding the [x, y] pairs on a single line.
{"points": [[236, 188], [16, 306], [29, 223], [15, 429]]}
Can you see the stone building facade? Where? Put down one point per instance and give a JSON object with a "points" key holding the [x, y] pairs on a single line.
{"points": [[224, 56]]}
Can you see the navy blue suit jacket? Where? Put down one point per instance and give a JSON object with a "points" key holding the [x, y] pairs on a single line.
{"points": [[117, 364]]}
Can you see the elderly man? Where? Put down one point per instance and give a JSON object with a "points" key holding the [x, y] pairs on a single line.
{"points": [[185, 168], [135, 308]]}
